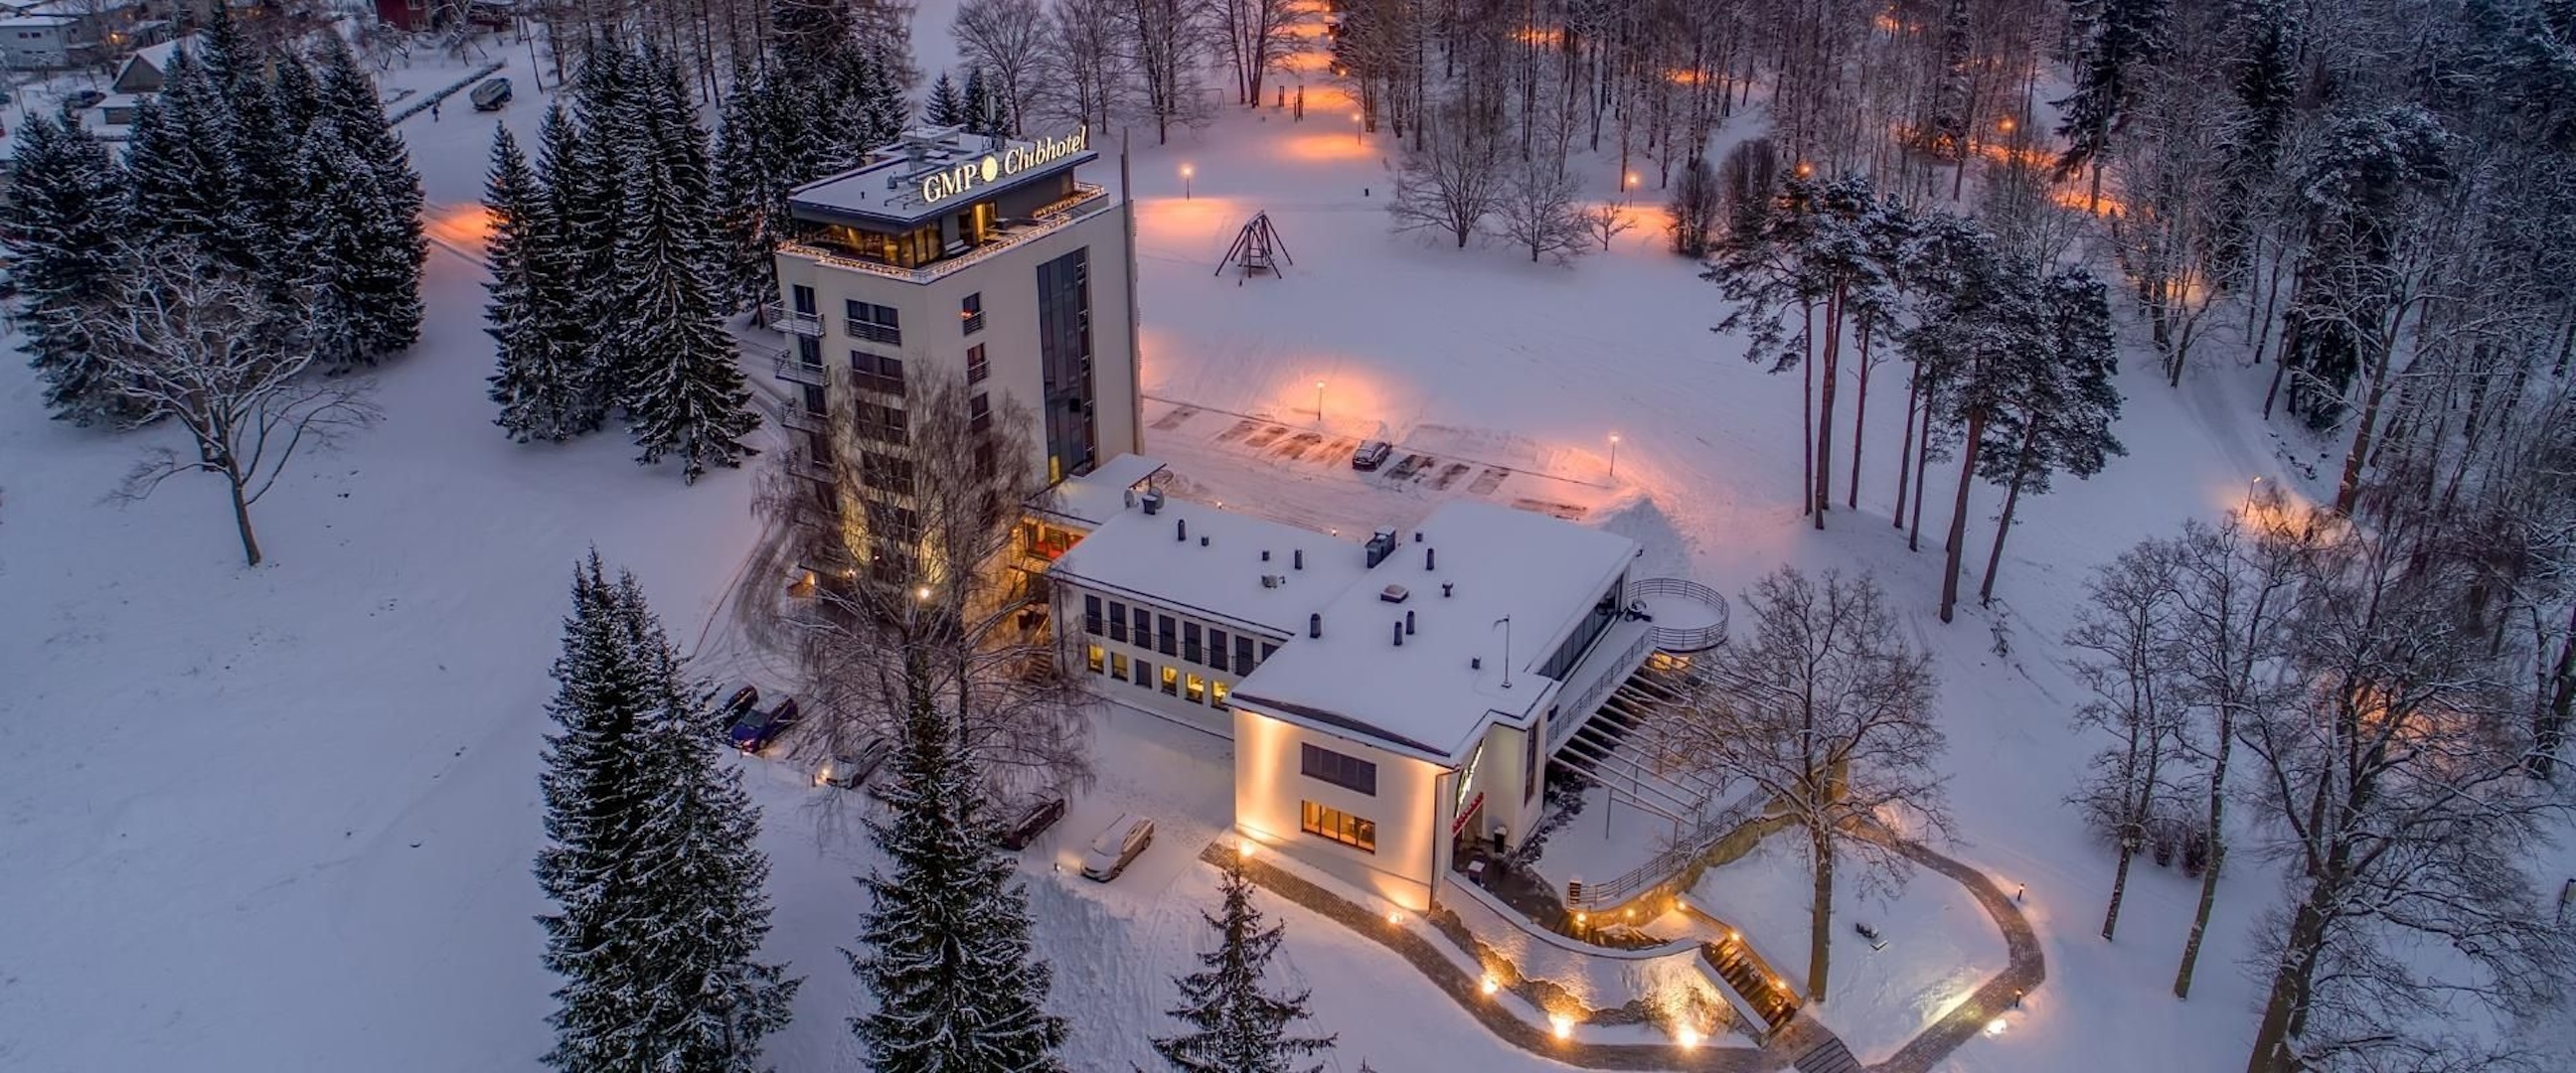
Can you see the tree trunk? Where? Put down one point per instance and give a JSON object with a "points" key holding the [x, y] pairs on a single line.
{"points": [[1820, 935], [1959, 512], [2292, 980], [1860, 419], [1905, 443], [2012, 497], [1922, 464], [2552, 729], [2119, 884], [2217, 834], [1830, 374], [2348, 490], [1807, 416], [241, 521]]}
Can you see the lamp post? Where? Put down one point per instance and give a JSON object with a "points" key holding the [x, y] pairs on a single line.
{"points": [[1186, 172], [1614, 456], [2248, 508], [1319, 402], [1628, 182], [1357, 128]]}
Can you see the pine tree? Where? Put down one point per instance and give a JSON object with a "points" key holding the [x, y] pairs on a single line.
{"points": [[946, 933], [2126, 36], [652, 858], [748, 192], [590, 180], [539, 383], [980, 108], [2062, 406], [331, 246], [64, 213], [943, 107], [1240, 1028], [684, 392], [179, 158], [573, 292], [269, 208], [386, 279]]}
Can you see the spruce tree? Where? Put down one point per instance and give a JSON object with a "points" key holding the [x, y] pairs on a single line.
{"points": [[944, 107], [593, 197], [982, 111], [575, 293], [748, 192], [1240, 1027], [539, 382], [2126, 37], [64, 213], [652, 858], [268, 209], [683, 390], [330, 248], [179, 156], [946, 932], [386, 280]]}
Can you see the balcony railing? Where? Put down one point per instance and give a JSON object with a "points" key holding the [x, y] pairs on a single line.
{"points": [[792, 321], [795, 416], [1085, 200], [811, 374]]}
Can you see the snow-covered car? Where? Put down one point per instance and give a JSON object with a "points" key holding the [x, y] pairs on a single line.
{"points": [[755, 731], [1032, 820], [1117, 847], [491, 95], [78, 100], [738, 701], [849, 768], [1371, 455]]}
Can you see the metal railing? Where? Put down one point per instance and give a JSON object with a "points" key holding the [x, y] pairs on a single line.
{"points": [[794, 415], [1674, 858], [812, 374], [1084, 201], [797, 322], [1571, 717], [1683, 639]]}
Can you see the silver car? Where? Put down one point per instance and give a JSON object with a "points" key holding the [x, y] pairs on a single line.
{"points": [[849, 768], [1117, 847]]}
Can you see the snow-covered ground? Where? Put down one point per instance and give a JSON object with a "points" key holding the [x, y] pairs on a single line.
{"points": [[282, 819]]}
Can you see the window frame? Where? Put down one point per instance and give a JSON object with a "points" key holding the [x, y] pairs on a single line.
{"points": [[1335, 768], [1334, 825]]}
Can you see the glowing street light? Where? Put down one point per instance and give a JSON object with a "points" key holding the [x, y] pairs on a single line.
{"points": [[1686, 1036], [1319, 402], [1357, 128], [1186, 172], [1562, 1024], [922, 594], [1614, 456], [1490, 985]]}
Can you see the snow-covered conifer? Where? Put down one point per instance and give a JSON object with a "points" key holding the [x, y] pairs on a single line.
{"points": [[179, 156], [385, 278], [65, 207], [539, 383], [748, 189], [1239, 1026], [944, 107], [330, 246], [574, 291]]}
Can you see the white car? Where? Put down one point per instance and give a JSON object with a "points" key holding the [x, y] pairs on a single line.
{"points": [[848, 769], [1116, 847]]}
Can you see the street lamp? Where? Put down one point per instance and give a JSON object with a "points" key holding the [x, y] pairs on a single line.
{"points": [[1614, 456], [1319, 402], [1186, 172], [1630, 182], [1357, 128]]}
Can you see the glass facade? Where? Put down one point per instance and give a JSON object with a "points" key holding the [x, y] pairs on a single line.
{"points": [[1064, 359]]}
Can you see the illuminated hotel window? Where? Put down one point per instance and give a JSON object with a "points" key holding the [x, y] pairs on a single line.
{"points": [[1216, 694], [1118, 665], [1171, 682], [1337, 825], [1198, 689], [1096, 655]]}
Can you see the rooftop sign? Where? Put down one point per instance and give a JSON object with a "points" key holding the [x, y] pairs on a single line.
{"points": [[952, 182]]}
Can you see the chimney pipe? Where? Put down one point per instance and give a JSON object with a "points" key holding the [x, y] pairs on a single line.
{"points": [[1445, 586], [1315, 624], [1408, 622], [1417, 536], [1298, 557], [1430, 556], [1399, 634], [1181, 527], [1475, 663], [1203, 542], [1265, 555]]}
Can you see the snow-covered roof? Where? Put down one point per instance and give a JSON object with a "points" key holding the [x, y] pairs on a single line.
{"points": [[888, 190], [37, 22], [1095, 497], [1147, 556], [1425, 696]]}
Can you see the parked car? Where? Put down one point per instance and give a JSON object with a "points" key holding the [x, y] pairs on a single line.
{"points": [[1033, 821], [849, 768], [758, 729], [738, 702], [79, 100], [1371, 455], [1117, 847], [491, 95]]}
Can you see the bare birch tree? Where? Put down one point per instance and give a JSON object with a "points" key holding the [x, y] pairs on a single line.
{"points": [[1086, 62], [1008, 40], [1829, 713], [1164, 40], [1256, 37], [208, 352], [1537, 211], [2125, 654], [1456, 179]]}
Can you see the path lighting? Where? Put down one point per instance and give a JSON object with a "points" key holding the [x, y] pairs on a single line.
{"points": [[1614, 456], [1357, 128], [2006, 125], [922, 594], [1319, 400], [1490, 985], [1394, 917], [1995, 1027], [1563, 1024], [1631, 182], [1245, 847], [1686, 1036], [1186, 172]]}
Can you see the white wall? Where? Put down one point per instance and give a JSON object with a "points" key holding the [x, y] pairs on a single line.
{"points": [[1268, 789]]}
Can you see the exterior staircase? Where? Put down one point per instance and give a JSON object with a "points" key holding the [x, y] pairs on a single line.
{"points": [[1612, 749], [1828, 1056], [1753, 982]]}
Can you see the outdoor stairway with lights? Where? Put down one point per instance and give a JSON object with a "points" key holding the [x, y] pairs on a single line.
{"points": [[1753, 982], [1610, 749], [1829, 1055]]}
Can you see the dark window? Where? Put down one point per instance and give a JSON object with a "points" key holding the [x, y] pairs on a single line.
{"points": [[976, 367], [1190, 643], [1347, 772], [1267, 650], [815, 404], [885, 472], [1216, 648], [979, 414], [972, 312], [1117, 621], [874, 323], [1144, 674], [1144, 627], [877, 372], [1243, 661], [803, 297], [818, 451], [809, 350], [1337, 825], [1091, 615], [881, 424], [1064, 363], [1165, 638]]}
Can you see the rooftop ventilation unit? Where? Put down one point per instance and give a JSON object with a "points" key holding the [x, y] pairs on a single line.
{"points": [[1315, 625], [1272, 581], [1380, 546], [1154, 501], [1181, 529], [1394, 594]]}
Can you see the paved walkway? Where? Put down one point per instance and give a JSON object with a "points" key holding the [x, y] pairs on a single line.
{"points": [[2024, 970]]}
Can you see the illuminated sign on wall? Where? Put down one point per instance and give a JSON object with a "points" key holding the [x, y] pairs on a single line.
{"points": [[946, 183]]}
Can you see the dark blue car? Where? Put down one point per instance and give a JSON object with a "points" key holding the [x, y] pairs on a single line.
{"points": [[758, 729]]}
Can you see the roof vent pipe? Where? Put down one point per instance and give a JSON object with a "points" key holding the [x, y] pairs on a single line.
{"points": [[1475, 663], [1315, 624], [1417, 536], [1408, 622], [1265, 555], [1298, 558], [1445, 586], [1203, 542], [1430, 556], [1399, 633], [1181, 527]]}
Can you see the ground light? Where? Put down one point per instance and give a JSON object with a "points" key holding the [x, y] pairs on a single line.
{"points": [[1563, 1024], [1614, 456], [1319, 405], [1686, 1036], [1995, 1027], [1394, 917], [1245, 847], [1490, 985]]}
